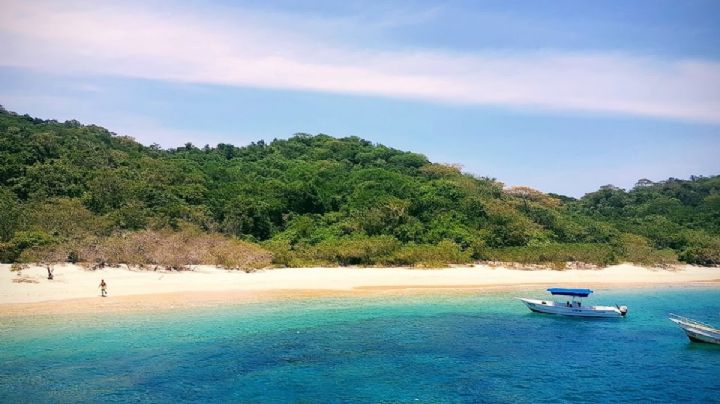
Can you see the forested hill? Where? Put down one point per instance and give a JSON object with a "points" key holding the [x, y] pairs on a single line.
{"points": [[81, 193]]}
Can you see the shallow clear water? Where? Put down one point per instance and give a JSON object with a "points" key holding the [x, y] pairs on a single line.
{"points": [[436, 348]]}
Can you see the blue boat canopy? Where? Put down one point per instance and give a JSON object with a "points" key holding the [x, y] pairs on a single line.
{"points": [[570, 292]]}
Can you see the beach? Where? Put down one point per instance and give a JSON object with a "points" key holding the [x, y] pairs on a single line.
{"points": [[75, 289]]}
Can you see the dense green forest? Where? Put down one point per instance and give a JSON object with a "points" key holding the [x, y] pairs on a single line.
{"points": [[79, 193]]}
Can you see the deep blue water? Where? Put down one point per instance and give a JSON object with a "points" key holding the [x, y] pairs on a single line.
{"points": [[439, 348]]}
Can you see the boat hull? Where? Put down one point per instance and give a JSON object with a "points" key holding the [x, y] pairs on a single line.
{"points": [[550, 307], [699, 333]]}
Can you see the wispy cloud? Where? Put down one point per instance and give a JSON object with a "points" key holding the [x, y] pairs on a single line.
{"points": [[229, 47]]}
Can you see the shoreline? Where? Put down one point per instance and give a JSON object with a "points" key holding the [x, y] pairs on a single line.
{"points": [[168, 302], [74, 289]]}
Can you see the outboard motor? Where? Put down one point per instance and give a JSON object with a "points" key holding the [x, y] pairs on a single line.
{"points": [[623, 310]]}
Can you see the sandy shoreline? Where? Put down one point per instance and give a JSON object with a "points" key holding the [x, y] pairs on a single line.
{"points": [[75, 290]]}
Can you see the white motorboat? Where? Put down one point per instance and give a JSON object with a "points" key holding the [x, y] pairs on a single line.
{"points": [[697, 331], [573, 305]]}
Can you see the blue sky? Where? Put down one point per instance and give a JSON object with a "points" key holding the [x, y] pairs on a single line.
{"points": [[563, 96]]}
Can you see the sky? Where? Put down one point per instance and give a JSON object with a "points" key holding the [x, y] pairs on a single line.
{"points": [[562, 96]]}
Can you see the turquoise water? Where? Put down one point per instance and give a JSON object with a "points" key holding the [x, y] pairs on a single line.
{"points": [[439, 348]]}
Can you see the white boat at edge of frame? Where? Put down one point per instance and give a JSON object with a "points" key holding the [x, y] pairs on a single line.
{"points": [[573, 307], [697, 331]]}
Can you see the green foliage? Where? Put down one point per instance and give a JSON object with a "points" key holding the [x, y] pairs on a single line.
{"points": [[250, 217], [80, 192], [556, 255], [700, 248], [361, 250], [637, 249], [11, 214], [368, 251], [64, 218], [429, 255], [11, 250]]}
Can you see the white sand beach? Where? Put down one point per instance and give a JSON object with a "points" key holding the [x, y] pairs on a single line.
{"points": [[76, 289]]}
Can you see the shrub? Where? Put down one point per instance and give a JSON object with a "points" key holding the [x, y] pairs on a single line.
{"points": [[173, 250], [238, 254], [364, 250], [357, 250], [701, 249], [429, 255], [18, 267], [555, 255], [699, 255], [21, 241], [637, 249]]}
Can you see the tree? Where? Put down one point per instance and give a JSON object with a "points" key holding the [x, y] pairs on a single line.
{"points": [[46, 255], [643, 182], [248, 217], [530, 194], [11, 214]]}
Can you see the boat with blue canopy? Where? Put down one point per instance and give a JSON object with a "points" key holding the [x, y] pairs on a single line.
{"points": [[573, 306]]}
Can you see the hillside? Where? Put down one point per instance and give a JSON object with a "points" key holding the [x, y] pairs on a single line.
{"points": [[81, 193]]}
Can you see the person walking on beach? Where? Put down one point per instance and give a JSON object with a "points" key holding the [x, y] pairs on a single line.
{"points": [[103, 287]]}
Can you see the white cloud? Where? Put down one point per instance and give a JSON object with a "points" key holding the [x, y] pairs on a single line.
{"points": [[226, 47]]}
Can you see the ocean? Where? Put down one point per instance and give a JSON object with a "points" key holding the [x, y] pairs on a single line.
{"points": [[435, 347]]}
